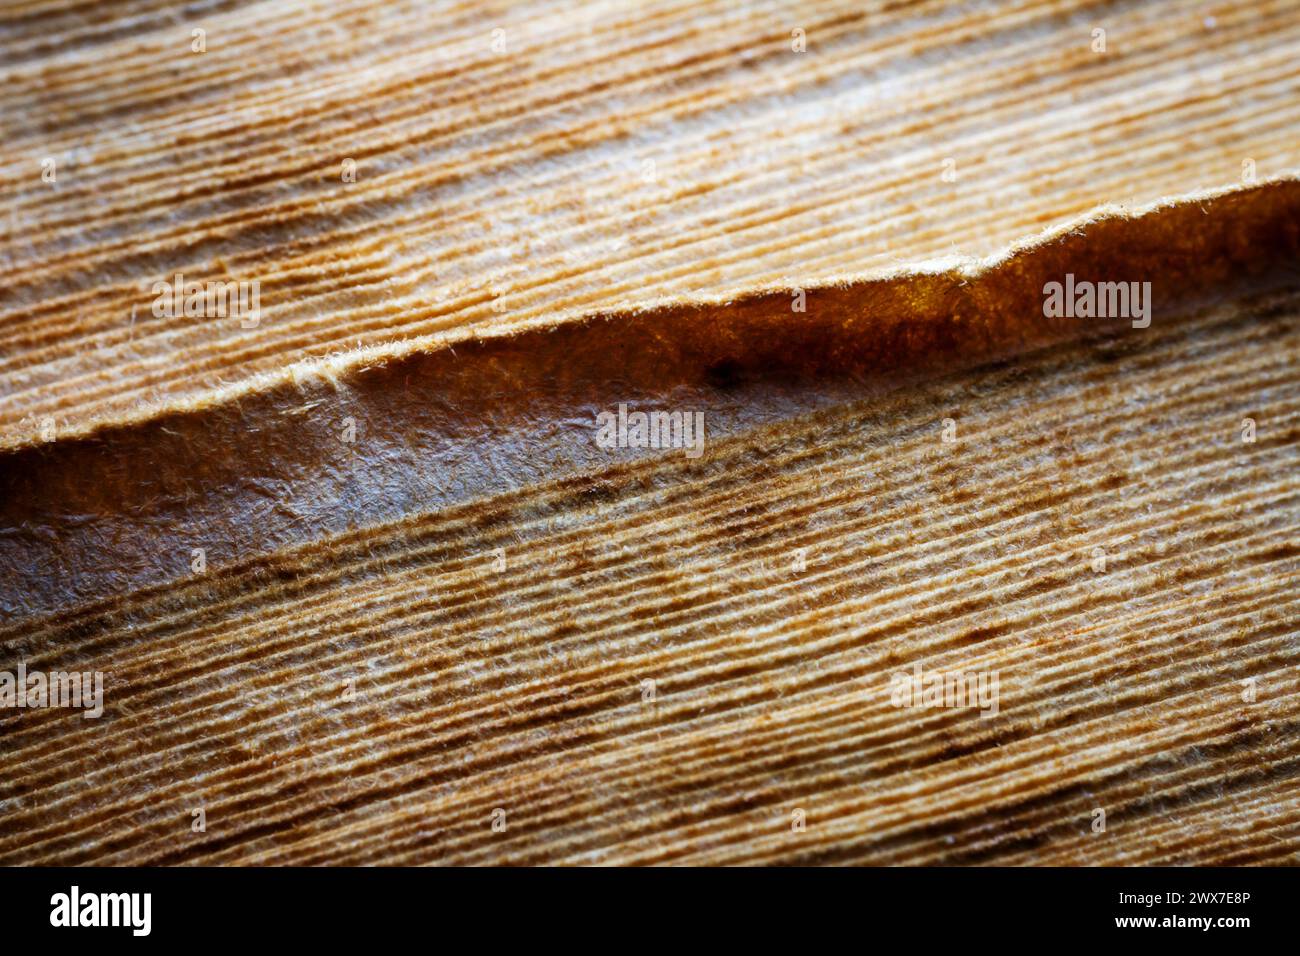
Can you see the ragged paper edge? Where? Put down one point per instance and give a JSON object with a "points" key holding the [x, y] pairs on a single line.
{"points": [[337, 370]]}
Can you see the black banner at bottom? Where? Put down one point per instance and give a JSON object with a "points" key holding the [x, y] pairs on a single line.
{"points": [[337, 906]]}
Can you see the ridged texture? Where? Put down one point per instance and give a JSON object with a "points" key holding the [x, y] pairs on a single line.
{"points": [[125, 507], [496, 189], [448, 621], [520, 689]]}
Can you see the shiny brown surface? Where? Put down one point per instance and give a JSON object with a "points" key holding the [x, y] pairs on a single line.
{"points": [[87, 518], [518, 686]]}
